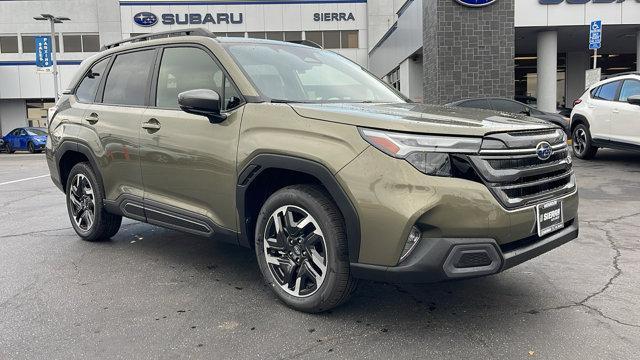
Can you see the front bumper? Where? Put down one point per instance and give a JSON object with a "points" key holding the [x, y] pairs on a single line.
{"points": [[438, 259]]}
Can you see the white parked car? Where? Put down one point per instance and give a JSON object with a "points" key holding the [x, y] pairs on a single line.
{"points": [[607, 115]]}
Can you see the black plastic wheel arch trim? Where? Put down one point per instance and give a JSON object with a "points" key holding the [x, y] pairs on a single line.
{"points": [[262, 162]]}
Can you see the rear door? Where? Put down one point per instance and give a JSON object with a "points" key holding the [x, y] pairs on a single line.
{"points": [[114, 121], [189, 164], [625, 124], [601, 106]]}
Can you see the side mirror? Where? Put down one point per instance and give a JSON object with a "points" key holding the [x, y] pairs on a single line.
{"points": [[634, 99], [203, 102]]}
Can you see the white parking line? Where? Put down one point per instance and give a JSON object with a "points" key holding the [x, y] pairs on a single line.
{"points": [[26, 179]]}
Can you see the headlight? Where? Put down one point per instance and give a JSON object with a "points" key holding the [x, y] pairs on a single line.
{"points": [[431, 154]]}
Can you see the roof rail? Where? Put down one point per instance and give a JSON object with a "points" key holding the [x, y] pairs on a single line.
{"points": [[306, 42], [160, 35], [620, 74]]}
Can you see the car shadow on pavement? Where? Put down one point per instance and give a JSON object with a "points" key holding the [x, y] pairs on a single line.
{"points": [[375, 306]]}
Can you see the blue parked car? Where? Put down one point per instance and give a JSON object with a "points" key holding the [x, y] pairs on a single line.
{"points": [[27, 138]]}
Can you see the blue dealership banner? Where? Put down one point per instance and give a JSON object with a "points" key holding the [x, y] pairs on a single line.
{"points": [[43, 52]]}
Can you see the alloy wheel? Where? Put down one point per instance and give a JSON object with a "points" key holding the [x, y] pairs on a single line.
{"points": [[580, 141], [83, 202], [295, 251]]}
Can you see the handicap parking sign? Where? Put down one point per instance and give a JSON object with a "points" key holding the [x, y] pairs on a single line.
{"points": [[595, 34]]}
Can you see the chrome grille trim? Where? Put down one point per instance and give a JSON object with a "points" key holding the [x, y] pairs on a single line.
{"points": [[517, 177], [530, 151]]}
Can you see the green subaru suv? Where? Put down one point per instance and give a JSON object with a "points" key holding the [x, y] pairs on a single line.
{"points": [[326, 172]]}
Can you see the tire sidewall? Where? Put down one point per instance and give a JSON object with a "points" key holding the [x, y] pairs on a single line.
{"points": [[587, 144], [304, 200], [31, 148], [94, 231]]}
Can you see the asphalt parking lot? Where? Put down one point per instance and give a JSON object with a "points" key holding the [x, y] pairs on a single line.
{"points": [[155, 293]]}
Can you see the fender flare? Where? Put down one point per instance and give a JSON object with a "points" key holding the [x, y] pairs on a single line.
{"points": [[262, 162], [80, 147]]}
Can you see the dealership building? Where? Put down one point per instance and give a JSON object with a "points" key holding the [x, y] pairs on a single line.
{"points": [[432, 50]]}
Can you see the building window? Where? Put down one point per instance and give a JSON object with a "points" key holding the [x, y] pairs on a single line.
{"points": [[331, 39], [349, 39], [292, 35], [275, 35], [29, 44], [394, 79], [235, 34], [257, 35], [9, 44], [334, 39], [315, 36], [81, 43]]}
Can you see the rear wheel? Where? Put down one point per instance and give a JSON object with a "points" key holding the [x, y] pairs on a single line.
{"points": [[9, 148], [85, 206], [301, 248], [582, 143]]}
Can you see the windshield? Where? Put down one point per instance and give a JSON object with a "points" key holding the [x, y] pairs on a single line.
{"points": [[36, 132], [304, 74]]}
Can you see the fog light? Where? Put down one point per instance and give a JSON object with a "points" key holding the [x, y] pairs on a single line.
{"points": [[412, 241]]}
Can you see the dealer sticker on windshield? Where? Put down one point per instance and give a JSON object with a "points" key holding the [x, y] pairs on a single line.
{"points": [[549, 217]]}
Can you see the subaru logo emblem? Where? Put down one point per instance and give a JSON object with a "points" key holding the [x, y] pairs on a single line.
{"points": [[145, 19], [476, 3], [544, 150]]}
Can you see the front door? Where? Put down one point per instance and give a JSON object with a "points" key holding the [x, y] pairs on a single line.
{"points": [[602, 104], [115, 123], [188, 163], [625, 125]]}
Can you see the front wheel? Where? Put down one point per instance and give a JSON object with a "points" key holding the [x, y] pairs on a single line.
{"points": [[582, 143], [85, 206], [31, 147], [302, 251]]}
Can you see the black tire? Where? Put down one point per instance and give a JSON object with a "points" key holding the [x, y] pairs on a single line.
{"points": [[338, 285], [582, 144], [9, 148], [31, 147], [103, 225]]}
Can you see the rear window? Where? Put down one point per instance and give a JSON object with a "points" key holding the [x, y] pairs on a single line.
{"points": [[128, 79], [606, 91]]}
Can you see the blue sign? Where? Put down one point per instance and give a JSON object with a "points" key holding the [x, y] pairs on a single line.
{"points": [[595, 35], [43, 51], [145, 19], [476, 3]]}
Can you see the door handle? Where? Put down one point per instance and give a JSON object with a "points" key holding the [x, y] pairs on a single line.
{"points": [[92, 119], [152, 125]]}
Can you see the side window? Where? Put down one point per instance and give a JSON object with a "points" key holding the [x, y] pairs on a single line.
{"points": [[231, 96], [128, 78], [509, 106], [476, 104], [22, 133], [190, 68], [607, 91], [629, 88], [86, 91], [16, 132]]}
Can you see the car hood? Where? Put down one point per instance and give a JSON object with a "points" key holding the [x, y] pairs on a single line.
{"points": [[39, 138], [420, 118]]}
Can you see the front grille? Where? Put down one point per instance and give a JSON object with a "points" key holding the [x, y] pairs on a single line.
{"points": [[517, 177]]}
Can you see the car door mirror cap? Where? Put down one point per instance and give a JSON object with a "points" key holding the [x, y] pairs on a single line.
{"points": [[634, 99], [205, 102]]}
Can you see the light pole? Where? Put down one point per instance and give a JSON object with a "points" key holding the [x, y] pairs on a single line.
{"points": [[53, 20]]}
